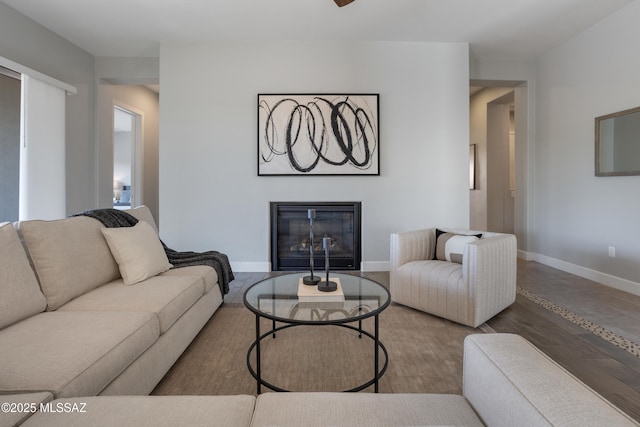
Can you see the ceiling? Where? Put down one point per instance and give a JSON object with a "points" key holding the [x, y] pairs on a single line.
{"points": [[498, 29]]}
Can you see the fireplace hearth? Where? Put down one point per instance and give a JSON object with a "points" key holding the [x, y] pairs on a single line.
{"points": [[290, 235]]}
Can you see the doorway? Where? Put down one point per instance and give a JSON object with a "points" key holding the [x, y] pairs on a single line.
{"points": [[501, 164], [498, 128], [127, 154], [143, 102]]}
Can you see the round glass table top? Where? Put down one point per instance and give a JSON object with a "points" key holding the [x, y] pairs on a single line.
{"points": [[277, 298]]}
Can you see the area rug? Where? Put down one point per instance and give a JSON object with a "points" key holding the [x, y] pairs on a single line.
{"points": [[586, 324], [425, 356]]}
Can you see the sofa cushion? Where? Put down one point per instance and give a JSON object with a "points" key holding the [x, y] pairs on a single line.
{"points": [[152, 411], [450, 246], [21, 295], [362, 409], [208, 274], [138, 252], [166, 297], [72, 353], [27, 402], [70, 257]]}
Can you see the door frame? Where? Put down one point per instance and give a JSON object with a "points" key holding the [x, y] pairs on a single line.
{"points": [[137, 164]]}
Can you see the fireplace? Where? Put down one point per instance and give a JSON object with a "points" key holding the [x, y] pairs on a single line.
{"points": [[290, 235]]}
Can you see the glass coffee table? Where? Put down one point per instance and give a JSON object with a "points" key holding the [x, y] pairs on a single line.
{"points": [[276, 298]]}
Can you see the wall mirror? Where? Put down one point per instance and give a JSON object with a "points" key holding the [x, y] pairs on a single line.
{"points": [[618, 143]]}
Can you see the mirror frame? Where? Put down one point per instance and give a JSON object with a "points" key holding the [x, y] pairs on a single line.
{"points": [[598, 120]]}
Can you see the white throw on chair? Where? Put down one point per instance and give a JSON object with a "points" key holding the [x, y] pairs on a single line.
{"points": [[470, 292]]}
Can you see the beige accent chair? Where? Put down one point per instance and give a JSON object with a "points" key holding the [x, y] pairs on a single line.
{"points": [[469, 293]]}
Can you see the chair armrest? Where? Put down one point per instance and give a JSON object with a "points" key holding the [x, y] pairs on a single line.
{"points": [[489, 266], [412, 246]]}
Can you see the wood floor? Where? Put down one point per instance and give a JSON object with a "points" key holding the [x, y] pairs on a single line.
{"points": [[611, 371], [608, 369]]}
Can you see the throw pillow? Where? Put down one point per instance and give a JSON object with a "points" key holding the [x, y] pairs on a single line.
{"points": [[138, 252], [450, 246]]}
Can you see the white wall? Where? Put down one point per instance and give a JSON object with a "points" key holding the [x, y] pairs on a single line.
{"points": [[576, 215], [210, 194]]}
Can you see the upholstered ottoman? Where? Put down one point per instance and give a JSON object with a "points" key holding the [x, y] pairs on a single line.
{"points": [[362, 409]]}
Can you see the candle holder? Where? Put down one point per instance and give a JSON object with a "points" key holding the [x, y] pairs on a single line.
{"points": [[311, 280], [327, 285]]}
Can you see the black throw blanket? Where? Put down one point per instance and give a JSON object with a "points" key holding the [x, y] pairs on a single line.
{"points": [[113, 218]]}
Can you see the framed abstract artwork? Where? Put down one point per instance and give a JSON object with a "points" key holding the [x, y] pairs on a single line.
{"points": [[318, 134]]}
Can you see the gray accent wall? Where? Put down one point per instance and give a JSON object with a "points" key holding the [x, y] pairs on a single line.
{"points": [[30, 44]]}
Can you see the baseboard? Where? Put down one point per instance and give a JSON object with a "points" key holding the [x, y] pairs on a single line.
{"points": [[587, 273], [527, 256], [374, 266], [251, 267]]}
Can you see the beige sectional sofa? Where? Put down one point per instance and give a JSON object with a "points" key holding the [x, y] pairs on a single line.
{"points": [[507, 382], [71, 327], [78, 347]]}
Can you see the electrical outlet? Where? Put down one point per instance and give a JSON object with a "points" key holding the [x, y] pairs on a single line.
{"points": [[612, 251]]}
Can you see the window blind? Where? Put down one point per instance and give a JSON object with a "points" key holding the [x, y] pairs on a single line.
{"points": [[42, 151]]}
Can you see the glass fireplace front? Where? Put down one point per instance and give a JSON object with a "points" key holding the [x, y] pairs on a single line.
{"points": [[290, 235]]}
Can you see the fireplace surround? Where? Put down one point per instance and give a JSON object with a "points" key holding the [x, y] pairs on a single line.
{"points": [[341, 221]]}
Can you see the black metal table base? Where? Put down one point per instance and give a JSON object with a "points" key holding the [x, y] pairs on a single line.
{"points": [[256, 373]]}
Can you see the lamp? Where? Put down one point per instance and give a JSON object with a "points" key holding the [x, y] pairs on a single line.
{"points": [[117, 186], [311, 280]]}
